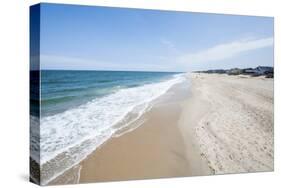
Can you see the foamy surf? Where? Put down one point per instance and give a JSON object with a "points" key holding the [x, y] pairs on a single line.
{"points": [[69, 137]]}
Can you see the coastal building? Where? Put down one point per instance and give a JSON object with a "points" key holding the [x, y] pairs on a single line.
{"points": [[264, 70], [235, 71], [249, 71]]}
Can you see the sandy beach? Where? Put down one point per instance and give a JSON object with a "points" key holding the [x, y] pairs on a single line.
{"points": [[124, 94], [219, 124], [236, 133], [156, 149]]}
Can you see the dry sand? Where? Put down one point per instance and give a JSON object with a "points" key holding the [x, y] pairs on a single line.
{"points": [[224, 124], [236, 133]]}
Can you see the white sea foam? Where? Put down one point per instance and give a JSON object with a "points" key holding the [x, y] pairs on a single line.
{"points": [[67, 138], [34, 138]]}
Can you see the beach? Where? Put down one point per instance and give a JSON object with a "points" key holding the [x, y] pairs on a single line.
{"points": [[81, 110], [156, 149], [236, 134], [120, 94], [218, 124]]}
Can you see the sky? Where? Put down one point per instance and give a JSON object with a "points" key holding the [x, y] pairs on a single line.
{"points": [[102, 38]]}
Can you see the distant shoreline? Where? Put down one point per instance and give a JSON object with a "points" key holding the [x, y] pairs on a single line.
{"points": [[266, 71]]}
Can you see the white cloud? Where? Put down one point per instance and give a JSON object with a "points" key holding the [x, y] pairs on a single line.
{"points": [[164, 62], [170, 45], [225, 51], [72, 63]]}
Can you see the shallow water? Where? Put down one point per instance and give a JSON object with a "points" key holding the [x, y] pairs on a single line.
{"points": [[80, 110]]}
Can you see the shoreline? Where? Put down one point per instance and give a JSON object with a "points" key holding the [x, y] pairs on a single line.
{"points": [[86, 127], [156, 149], [189, 133]]}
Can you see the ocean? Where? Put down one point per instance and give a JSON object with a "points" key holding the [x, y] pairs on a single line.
{"points": [[80, 110]]}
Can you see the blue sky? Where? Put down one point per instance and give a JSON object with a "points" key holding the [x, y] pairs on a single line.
{"points": [[100, 38]]}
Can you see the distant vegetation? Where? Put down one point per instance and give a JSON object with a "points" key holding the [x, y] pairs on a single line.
{"points": [[268, 72]]}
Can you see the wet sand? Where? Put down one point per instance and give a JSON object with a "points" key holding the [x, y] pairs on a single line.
{"points": [[221, 124], [156, 149]]}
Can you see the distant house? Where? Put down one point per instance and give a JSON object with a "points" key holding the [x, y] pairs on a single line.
{"points": [[220, 71], [264, 70], [268, 72], [249, 71], [260, 70], [234, 71]]}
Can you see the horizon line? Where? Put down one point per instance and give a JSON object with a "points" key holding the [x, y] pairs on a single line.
{"points": [[107, 70]]}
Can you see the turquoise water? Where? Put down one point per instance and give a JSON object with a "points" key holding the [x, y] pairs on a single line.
{"points": [[62, 90], [80, 110]]}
